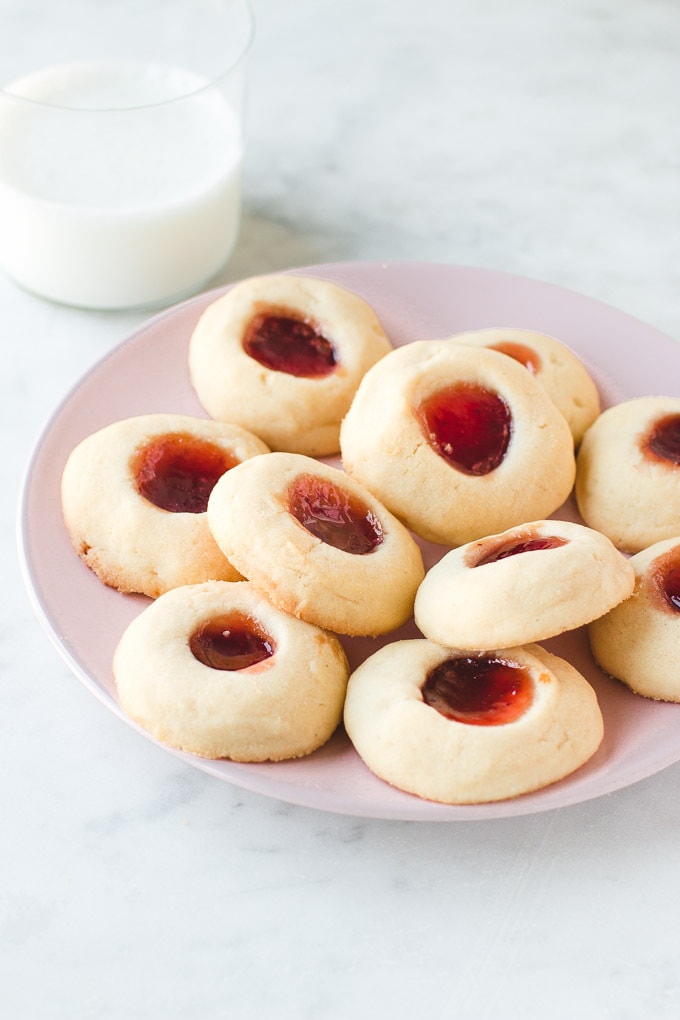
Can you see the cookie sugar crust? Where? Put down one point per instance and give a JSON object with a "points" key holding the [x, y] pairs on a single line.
{"points": [[384, 447], [526, 597], [637, 642], [412, 746], [296, 414], [283, 707], [249, 517], [130, 543]]}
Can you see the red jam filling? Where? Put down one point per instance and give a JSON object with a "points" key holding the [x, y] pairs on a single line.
{"points": [[479, 691], [663, 440], [177, 472], [333, 515], [671, 584], [519, 352], [284, 343], [516, 545], [232, 641], [665, 578], [469, 426]]}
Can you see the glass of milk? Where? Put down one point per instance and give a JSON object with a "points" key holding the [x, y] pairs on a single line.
{"points": [[121, 143]]}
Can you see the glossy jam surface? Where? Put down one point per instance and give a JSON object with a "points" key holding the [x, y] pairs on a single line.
{"points": [[478, 690], [283, 343], [231, 641], [519, 352], [665, 579], [469, 426], [491, 552], [333, 515], [663, 439], [177, 472]]}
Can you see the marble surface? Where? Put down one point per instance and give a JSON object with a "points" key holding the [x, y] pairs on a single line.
{"points": [[525, 135]]}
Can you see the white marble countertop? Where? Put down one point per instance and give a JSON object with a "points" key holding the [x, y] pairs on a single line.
{"points": [[532, 136]]}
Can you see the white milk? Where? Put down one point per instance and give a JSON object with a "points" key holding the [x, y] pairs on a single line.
{"points": [[117, 208]]}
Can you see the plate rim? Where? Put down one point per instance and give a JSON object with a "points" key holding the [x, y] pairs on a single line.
{"points": [[279, 789]]}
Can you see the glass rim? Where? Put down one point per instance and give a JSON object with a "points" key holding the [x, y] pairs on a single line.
{"points": [[206, 83]]}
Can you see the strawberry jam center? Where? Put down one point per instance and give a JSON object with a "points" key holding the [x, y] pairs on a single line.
{"points": [[519, 352], [671, 584], [517, 545], [663, 440], [232, 641], [284, 343], [469, 426], [665, 578], [479, 691], [333, 515], [177, 472]]}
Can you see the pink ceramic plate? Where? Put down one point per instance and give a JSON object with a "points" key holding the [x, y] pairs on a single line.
{"points": [[148, 373]]}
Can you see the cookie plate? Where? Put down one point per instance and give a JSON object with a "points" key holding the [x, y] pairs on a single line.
{"points": [[148, 373]]}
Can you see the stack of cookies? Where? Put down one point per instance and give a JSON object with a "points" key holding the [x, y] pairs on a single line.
{"points": [[259, 557]]}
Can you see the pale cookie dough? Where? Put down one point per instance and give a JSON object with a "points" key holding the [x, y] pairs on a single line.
{"points": [[628, 494], [638, 642], [411, 745], [385, 446], [129, 542], [561, 576], [368, 593], [561, 373], [283, 706], [295, 413]]}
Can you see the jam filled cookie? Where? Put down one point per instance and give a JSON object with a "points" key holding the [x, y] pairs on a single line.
{"points": [[216, 670], [134, 496], [317, 543], [628, 472], [638, 641], [458, 442], [524, 585], [563, 376], [464, 729], [283, 356]]}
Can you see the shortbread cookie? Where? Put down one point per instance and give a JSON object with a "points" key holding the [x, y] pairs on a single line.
{"points": [[562, 374], [282, 356], [466, 729], [628, 472], [134, 496], [638, 642], [216, 670], [317, 543], [458, 442], [524, 585]]}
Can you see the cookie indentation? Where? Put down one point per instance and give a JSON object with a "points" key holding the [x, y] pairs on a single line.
{"points": [[663, 439], [284, 343], [664, 580], [177, 472], [526, 356], [502, 547], [231, 641], [333, 515], [479, 691], [469, 426]]}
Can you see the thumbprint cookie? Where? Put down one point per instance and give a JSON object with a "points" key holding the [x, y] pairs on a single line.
{"points": [[524, 585], [638, 642], [216, 670], [317, 543], [134, 497], [628, 472], [468, 728], [562, 374], [282, 356], [458, 442]]}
